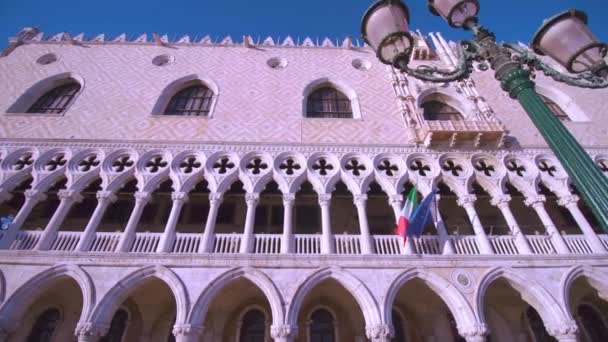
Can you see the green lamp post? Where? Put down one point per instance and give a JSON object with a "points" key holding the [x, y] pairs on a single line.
{"points": [[565, 38]]}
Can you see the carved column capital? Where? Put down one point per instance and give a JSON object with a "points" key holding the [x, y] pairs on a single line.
{"points": [[107, 196], [379, 331], [187, 330], [216, 197], [563, 330], [466, 200], [568, 200], [473, 331], [360, 200], [180, 197], [70, 195], [324, 199], [35, 195], [289, 199], [252, 198], [532, 201], [278, 331], [142, 197], [86, 330], [500, 200]]}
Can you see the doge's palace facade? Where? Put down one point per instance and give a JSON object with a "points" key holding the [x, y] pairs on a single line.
{"points": [[224, 190]]}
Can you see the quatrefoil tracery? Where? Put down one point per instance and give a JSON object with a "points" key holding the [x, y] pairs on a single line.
{"points": [[122, 163], [190, 164], [451, 166], [223, 165], [55, 162], [419, 167], [289, 166], [156, 164], [322, 166], [546, 168], [388, 168], [23, 162], [256, 166], [487, 168], [603, 166], [355, 167], [514, 166], [88, 163]]}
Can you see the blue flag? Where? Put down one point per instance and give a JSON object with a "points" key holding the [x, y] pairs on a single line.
{"points": [[421, 216]]}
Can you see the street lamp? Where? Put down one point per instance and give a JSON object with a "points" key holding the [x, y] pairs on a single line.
{"points": [[565, 38]]}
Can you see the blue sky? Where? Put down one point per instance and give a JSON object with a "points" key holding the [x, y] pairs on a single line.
{"points": [[315, 18]]}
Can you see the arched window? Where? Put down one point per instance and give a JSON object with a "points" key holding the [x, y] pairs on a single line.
{"points": [[322, 326], [253, 328], [56, 100], [435, 110], [399, 328], [556, 109], [537, 326], [327, 102], [117, 327], [45, 326], [593, 326], [194, 100]]}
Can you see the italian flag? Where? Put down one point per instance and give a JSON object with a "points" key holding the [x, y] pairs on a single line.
{"points": [[406, 214]]}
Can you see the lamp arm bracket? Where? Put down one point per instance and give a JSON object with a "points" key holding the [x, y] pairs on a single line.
{"points": [[584, 80], [437, 75]]}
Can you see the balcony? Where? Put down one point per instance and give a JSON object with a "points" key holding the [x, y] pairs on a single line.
{"points": [[268, 244], [462, 134]]}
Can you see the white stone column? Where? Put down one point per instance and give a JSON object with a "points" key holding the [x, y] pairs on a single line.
{"points": [[571, 203], [468, 203], [32, 198], [128, 236], [367, 245], [287, 241], [67, 199], [104, 199], [502, 203], [538, 204], [168, 238], [327, 238], [379, 333], [283, 332], [247, 239], [187, 333], [90, 332], [215, 200], [563, 332]]}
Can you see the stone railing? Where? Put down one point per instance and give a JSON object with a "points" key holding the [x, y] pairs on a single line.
{"points": [[471, 133], [267, 244], [227, 243], [307, 244], [146, 242], [348, 244], [105, 242]]}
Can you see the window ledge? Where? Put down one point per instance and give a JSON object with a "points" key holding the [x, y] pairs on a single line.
{"points": [[35, 114]]}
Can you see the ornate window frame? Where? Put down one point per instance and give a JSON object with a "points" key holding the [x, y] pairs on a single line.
{"points": [[338, 85], [565, 102], [447, 97], [31, 95], [245, 311], [158, 110]]}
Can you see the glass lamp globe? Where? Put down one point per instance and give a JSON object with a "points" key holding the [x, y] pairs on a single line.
{"points": [[456, 12], [567, 39], [385, 28]]}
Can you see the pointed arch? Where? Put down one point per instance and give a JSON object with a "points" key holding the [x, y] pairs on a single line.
{"points": [[454, 300], [596, 279], [180, 84], [111, 301], [352, 284], [15, 306], [448, 98], [340, 86], [24, 103], [564, 102], [530, 290], [258, 278]]}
